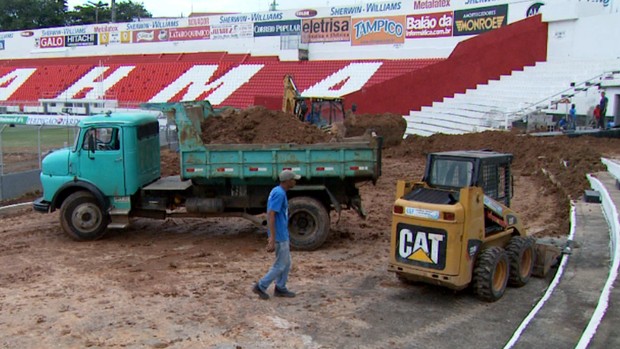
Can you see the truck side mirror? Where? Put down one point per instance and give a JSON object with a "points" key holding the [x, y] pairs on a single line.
{"points": [[92, 145]]}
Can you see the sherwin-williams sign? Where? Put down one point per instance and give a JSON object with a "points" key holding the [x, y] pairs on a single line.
{"points": [[430, 25], [480, 20], [378, 30], [326, 29], [277, 28]]}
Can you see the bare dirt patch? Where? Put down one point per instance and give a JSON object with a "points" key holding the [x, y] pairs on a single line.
{"points": [[185, 283]]}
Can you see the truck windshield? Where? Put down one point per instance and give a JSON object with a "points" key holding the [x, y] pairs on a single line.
{"points": [[451, 173]]}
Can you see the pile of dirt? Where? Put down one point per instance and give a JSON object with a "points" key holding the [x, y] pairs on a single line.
{"points": [[170, 163], [389, 126], [558, 164], [258, 125]]}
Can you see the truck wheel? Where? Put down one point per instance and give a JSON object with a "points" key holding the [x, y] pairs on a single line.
{"points": [[308, 223], [491, 274], [521, 255], [82, 218]]}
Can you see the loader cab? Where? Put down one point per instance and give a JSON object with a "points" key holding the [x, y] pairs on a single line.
{"points": [[479, 168]]}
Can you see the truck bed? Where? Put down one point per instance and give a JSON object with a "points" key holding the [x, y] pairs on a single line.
{"points": [[361, 159]]}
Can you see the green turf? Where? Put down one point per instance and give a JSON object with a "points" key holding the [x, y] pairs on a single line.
{"points": [[22, 136]]}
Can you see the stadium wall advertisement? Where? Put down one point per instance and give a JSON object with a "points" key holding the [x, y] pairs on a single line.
{"points": [[414, 26]]}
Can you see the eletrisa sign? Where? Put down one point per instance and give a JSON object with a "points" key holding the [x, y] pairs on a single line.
{"points": [[326, 29], [480, 20]]}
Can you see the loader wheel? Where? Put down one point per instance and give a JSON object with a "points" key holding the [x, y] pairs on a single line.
{"points": [[308, 223], [521, 255], [491, 274], [82, 217]]}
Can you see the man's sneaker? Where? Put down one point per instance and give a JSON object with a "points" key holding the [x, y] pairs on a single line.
{"points": [[283, 293], [262, 294]]}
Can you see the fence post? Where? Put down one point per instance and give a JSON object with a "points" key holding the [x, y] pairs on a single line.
{"points": [[1, 154], [39, 144]]}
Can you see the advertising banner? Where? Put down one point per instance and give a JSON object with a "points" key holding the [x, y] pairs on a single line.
{"points": [[52, 41], [232, 31], [198, 21], [81, 40], [277, 28], [430, 4], [12, 119], [378, 30], [157, 35], [326, 29], [191, 33], [430, 25], [1, 45], [123, 37], [480, 20]]}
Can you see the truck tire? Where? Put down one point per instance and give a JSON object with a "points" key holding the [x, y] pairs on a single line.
{"points": [[521, 256], [82, 217], [308, 223], [491, 274]]}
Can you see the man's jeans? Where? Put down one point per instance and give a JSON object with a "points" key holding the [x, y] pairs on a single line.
{"points": [[279, 270]]}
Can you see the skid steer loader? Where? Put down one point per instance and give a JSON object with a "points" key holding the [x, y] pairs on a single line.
{"points": [[455, 228]]}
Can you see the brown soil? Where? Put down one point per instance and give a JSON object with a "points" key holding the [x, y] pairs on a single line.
{"points": [[258, 125], [185, 283], [389, 126]]}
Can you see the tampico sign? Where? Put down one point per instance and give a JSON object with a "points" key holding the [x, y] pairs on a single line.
{"points": [[326, 29], [480, 20], [430, 25], [378, 30]]}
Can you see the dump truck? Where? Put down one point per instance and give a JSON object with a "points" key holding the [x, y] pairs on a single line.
{"points": [[112, 174], [455, 228]]}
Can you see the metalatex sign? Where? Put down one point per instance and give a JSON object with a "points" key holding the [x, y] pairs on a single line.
{"points": [[480, 20]]}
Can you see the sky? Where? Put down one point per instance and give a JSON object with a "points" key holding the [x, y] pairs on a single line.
{"points": [[178, 8]]}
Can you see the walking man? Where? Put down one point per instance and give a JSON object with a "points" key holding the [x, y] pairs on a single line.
{"points": [[277, 230]]}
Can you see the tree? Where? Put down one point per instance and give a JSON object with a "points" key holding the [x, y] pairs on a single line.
{"points": [[32, 14], [100, 12]]}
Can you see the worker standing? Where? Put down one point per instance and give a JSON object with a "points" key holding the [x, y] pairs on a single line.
{"points": [[277, 230]]}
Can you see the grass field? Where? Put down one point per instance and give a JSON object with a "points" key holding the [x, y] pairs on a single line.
{"points": [[19, 145], [24, 138]]}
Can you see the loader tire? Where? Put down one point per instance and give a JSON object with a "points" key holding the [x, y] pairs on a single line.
{"points": [[82, 217], [491, 274], [521, 256], [308, 223]]}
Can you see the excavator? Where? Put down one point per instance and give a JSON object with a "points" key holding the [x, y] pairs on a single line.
{"points": [[320, 111]]}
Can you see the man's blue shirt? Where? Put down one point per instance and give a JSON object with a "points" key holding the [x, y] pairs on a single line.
{"points": [[278, 203]]}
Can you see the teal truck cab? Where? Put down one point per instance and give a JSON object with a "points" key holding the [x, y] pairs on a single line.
{"points": [[112, 173]]}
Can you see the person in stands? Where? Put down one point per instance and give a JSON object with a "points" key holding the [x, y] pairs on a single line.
{"points": [[573, 117], [603, 110]]}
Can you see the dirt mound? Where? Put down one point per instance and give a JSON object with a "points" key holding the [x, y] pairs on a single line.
{"points": [[258, 125], [389, 126], [566, 160], [169, 161]]}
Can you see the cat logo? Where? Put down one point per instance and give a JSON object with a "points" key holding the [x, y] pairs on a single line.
{"points": [[421, 246]]}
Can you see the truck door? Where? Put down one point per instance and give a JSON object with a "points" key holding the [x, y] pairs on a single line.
{"points": [[101, 160]]}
